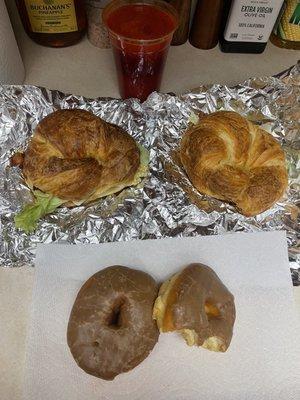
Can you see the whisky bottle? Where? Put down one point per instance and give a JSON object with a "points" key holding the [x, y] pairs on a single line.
{"points": [[54, 23]]}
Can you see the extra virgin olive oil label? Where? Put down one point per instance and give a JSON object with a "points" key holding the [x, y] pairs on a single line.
{"points": [[52, 16], [251, 20], [288, 27]]}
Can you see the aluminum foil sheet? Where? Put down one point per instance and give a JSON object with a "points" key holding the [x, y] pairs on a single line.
{"points": [[165, 204]]}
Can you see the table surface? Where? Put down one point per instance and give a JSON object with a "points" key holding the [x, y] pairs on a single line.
{"points": [[89, 71]]}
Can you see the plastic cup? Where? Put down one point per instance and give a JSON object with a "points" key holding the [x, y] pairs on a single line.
{"points": [[140, 33]]}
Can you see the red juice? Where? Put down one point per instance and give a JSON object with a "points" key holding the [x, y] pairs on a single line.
{"points": [[140, 34]]}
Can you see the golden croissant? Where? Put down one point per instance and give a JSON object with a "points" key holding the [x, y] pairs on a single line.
{"points": [[228, 157], [76, 156]]}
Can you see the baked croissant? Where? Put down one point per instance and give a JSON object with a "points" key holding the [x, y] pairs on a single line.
{"points": [[228, 157], [76, 156]]}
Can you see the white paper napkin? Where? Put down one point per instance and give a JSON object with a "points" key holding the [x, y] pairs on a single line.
{"points": [[263, 361]]}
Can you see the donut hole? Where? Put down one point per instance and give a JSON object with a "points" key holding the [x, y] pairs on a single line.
{"points": [[115, 318], [212, 311]]}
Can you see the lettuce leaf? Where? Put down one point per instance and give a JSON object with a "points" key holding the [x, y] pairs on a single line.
{"points": [[194, 119], [44, 204], [143, 169]]}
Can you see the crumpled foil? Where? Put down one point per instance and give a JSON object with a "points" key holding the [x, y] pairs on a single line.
{"points": [[166, 204]]}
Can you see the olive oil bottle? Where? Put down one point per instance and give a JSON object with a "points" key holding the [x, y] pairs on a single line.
{"points": [[247, 25], [55, 23]]}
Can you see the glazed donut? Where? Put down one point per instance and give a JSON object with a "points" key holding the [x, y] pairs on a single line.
{"points": [[76, 156], [111, 329], [197, 304]]}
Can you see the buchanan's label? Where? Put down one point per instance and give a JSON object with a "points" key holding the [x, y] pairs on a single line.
{"points": [[288, 27], [52, 16], [252, 20]]}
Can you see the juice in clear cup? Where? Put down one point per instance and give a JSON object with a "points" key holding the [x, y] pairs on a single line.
{"points": [[140, 33]]}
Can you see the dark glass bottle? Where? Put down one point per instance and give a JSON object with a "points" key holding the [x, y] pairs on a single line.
{"points": [[183, 8], [256, 21], [54, 23], [206, 24]]}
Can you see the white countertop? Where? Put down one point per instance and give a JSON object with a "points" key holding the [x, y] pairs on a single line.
{"points": [[86, 70], [89, 71]]}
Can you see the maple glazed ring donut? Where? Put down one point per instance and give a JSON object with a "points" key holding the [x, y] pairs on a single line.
{"points": [[197, 304], [111, 329]]}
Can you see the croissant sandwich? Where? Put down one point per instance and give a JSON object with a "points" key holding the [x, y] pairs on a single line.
{"points": [[74, 157], [228, 157]]}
